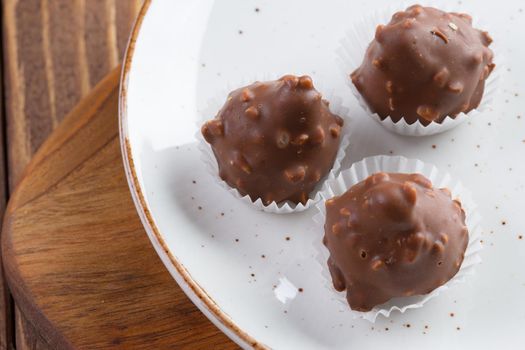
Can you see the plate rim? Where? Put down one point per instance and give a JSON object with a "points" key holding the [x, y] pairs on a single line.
{"points": [[197, 295]]}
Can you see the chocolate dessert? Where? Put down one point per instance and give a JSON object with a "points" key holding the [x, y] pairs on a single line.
{"points": [[393, 235], [275, 140], [424, 65]]}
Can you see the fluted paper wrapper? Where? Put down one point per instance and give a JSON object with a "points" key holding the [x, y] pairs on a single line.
{"points": [[352, 51], [215, 104], [360, 171]]}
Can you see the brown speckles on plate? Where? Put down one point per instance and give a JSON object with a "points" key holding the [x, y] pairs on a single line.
{"points": [[257, 9], [458, 328], [451, 314], [503, 222], [520, 237], [287, 238], [236, 239], [193, 181], [434, 146], [240, 32], [407, 325], [300, 290], [199, 207]]}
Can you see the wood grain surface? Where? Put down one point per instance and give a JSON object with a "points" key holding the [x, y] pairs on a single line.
{"points": [[54, 52], [76, 256], [6, 313]]}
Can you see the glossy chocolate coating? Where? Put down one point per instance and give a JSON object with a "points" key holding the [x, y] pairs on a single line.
{"points": [[393, 235], [424, 65], [275, 140]]}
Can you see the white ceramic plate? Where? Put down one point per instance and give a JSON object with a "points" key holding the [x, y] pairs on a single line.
{"points": [[236, 263]]}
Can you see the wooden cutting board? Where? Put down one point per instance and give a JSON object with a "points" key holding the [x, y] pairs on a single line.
{"points": [[76, 256]]}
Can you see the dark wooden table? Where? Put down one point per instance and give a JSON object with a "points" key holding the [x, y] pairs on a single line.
{"points": [[54, 53]]}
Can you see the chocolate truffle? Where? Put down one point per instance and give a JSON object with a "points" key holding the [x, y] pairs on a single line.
{"points": [[393, 235], [424, 65], [275, 140]]}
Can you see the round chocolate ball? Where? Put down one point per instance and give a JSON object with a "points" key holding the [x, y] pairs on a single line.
{"points": [[393, 235], [275, 140], [424, 65]]}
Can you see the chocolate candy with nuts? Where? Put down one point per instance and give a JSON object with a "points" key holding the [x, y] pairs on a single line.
{"points": [[275, 140], [424, 65], [393, 235]]}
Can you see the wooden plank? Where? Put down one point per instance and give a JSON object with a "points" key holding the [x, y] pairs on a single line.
{"points": [[55, 51], [25, 81], [6, 317], [76, 255]]}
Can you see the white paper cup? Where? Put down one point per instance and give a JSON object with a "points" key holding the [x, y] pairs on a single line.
{"points": [[396, 164], [214, 105], [351, 53]]}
